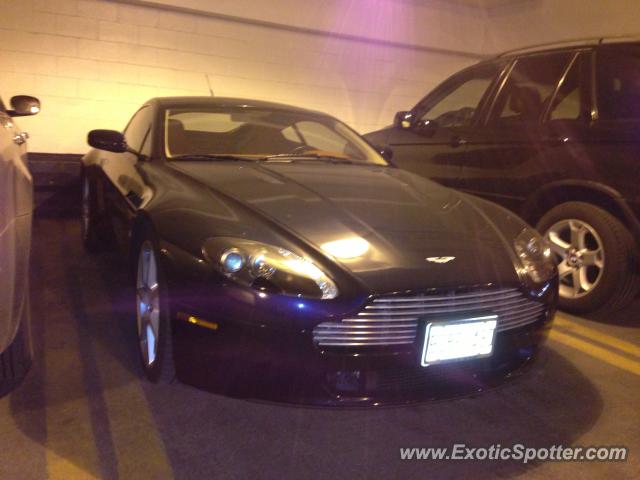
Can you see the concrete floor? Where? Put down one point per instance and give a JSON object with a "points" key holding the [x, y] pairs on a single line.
{"points": [[84, 412]]}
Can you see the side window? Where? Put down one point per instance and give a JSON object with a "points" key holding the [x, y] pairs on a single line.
{"points": [[527, 92], [568, 102], [618, 83], [139, 130], [455, 104], [321, 137]]}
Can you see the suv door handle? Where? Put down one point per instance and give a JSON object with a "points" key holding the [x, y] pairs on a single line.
{"points": [[556, 141], [458, 142]]}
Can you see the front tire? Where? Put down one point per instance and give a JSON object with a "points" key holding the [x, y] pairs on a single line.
{"points": [[596, 255], [15, 361], [96, 234], [153, 319]]}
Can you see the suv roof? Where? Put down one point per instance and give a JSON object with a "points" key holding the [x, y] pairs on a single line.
{"points": [[571, 43]]}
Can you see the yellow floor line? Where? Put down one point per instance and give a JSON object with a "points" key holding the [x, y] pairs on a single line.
{"points": [[138, 447], [70, 446], [595, 351], [565, 323]]}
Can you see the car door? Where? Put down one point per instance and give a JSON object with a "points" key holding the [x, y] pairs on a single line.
{"points": [[15, 225], [615, 130], [125, 188], [507, 159], [432, 141]]}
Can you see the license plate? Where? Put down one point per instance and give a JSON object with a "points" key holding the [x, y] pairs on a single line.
{"points": [[461, 339]]}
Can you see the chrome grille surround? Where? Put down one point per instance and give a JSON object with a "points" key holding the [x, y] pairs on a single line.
{"points": [[394, 319]]}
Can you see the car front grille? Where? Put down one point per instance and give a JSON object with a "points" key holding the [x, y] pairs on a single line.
{"points": [[394, 319]]}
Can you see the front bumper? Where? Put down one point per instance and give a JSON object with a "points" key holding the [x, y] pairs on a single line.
{"points": [[278, 361]]}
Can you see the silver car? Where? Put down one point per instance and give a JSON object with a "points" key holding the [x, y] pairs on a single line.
{"points": [[16, 205]]}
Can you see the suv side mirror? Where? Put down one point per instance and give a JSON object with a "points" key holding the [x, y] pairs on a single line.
{"points": [[404, 120], [385, 151], [427, 128], [109, 140], [24, 105]]}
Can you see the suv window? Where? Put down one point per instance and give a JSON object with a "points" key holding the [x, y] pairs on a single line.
{"points": [[618, 77], [138, 129], [456, 102], [568, 102], [529, 88]]}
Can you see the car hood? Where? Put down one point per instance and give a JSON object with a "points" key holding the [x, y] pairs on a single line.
{"points": [[391, 229]]}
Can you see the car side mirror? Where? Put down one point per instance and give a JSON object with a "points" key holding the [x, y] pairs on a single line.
{"points": [[24, 105], [404, 120], [109, 140], [427, 127]]}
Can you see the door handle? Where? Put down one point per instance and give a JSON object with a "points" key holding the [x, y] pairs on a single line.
{"points": [[19, 139], [557, 141], [458, 142]]}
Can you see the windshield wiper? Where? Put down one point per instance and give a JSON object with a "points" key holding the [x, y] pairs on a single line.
{"points": [[213, 156], [295, 157]]}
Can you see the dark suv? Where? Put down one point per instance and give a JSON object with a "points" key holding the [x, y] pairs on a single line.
{"points": [[553, 135]]}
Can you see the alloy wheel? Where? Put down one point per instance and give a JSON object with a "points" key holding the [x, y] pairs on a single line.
{"points": [[148, 304], [580, 256]]}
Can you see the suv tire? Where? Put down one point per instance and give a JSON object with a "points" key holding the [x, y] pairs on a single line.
{"points": [[576, 231]]}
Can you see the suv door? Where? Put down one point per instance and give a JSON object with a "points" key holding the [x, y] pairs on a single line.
{"points": [[432, 143], [616, 128], [506, 161]]}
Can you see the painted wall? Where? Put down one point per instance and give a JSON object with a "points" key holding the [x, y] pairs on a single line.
{"points": [[92, 63], [526, 22]]}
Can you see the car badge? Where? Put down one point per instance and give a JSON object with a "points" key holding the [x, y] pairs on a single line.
{"points": [[439, 259]]}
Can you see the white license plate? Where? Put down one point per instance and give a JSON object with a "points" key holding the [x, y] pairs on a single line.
{"points": [[458, 339]]}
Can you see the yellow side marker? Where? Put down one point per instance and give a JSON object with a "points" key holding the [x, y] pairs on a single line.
{"points": [[611, 341], [202, 323], [595, 351]]}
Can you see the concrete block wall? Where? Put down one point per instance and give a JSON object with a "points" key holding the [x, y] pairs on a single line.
{"points": [[527, 22], [93, 62]]}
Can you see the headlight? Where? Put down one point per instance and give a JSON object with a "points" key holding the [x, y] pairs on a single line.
{"points": [[535, 255], [269, 268]]}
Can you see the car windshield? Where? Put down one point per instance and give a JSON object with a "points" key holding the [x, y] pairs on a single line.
{"points": [[265, 134]]}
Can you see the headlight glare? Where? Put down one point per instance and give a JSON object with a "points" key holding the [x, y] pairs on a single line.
{"points": [[267, 267]]}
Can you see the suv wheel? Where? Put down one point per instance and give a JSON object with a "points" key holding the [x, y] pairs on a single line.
{"points": [[595, 254]]}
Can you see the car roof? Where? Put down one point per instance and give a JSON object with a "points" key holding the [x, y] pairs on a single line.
{"points": [[190, 102]]}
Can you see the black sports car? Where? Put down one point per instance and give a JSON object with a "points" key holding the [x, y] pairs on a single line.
{"points": [[278, 255]]}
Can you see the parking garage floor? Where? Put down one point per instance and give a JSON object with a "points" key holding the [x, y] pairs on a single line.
{"points": [[84, 412]]}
